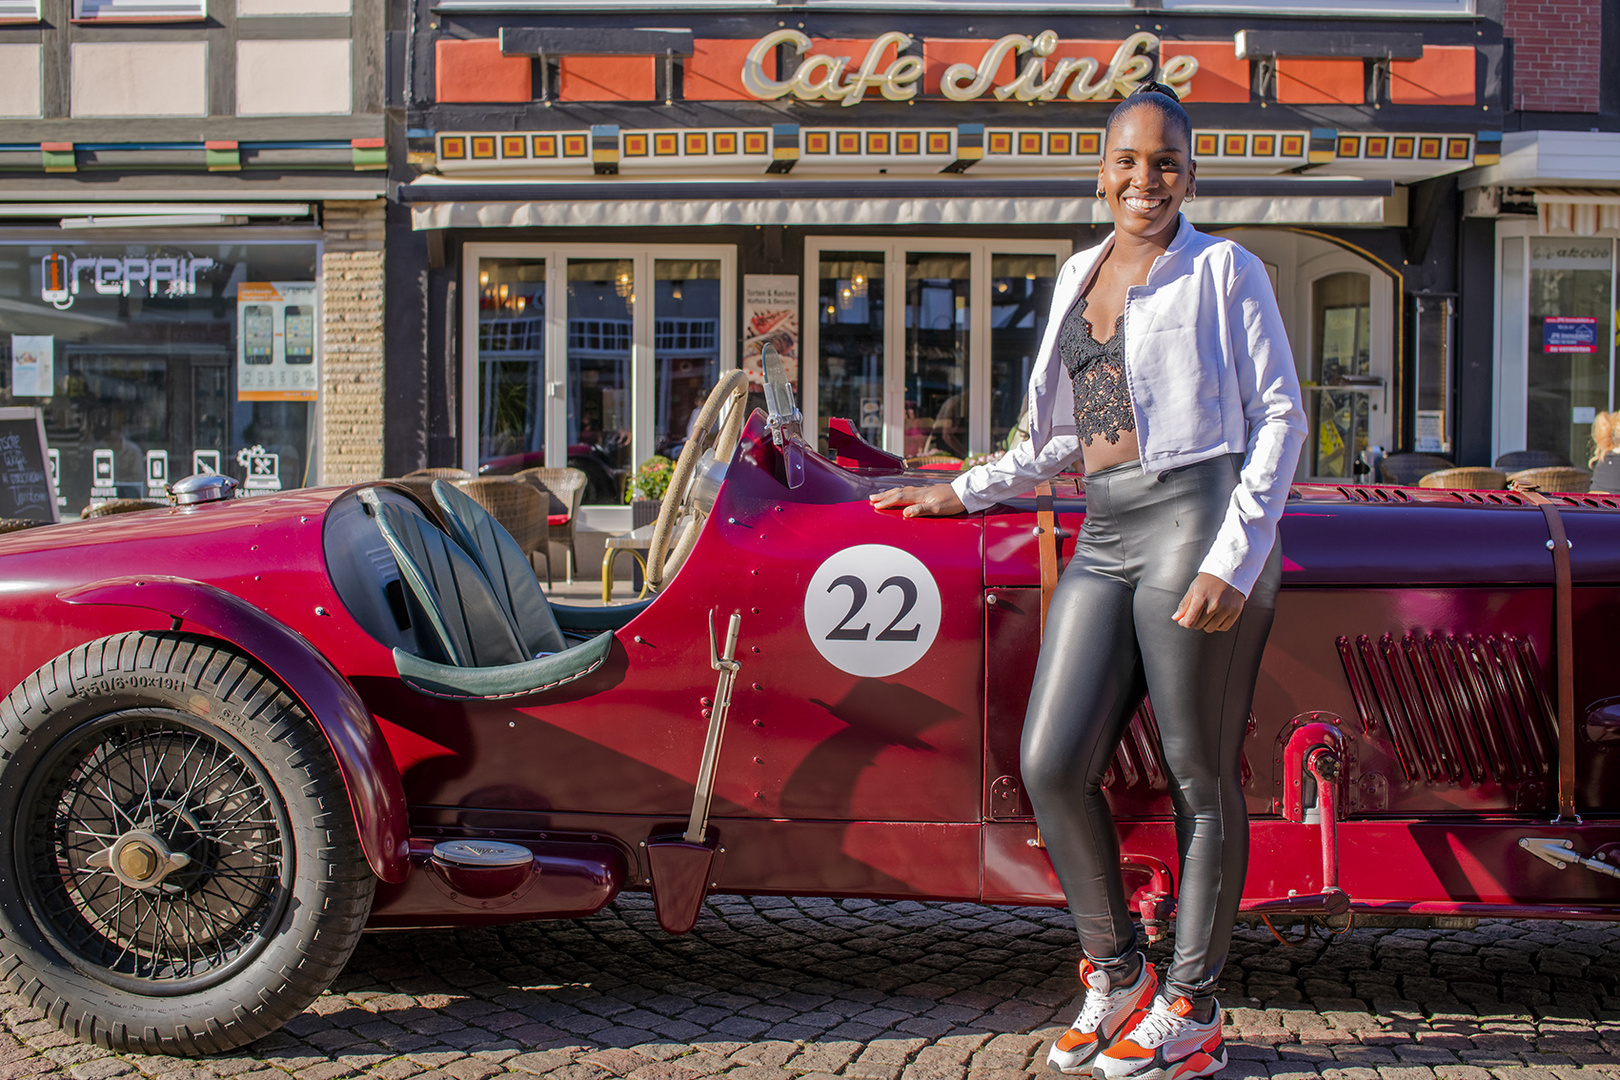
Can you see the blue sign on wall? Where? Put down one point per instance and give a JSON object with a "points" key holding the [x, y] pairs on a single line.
{"points": [[1569, 334]]}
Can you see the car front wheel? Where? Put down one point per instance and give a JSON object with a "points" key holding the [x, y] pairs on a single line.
{"points": [[179, 867]]}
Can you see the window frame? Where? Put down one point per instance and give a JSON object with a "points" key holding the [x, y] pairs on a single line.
{"points": [[642, 352], [979, 250]]}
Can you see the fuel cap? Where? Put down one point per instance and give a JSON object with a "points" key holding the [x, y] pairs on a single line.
{"points": [[202, 488]]}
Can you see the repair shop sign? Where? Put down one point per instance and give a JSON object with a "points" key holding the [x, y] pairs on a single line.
{"points": [[1569, 334]]}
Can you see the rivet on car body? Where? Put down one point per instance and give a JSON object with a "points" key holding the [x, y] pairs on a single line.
{"points": [[759, 723], [991, 599], [759, 761], [758, 687], [321, 611], [638, 640]]}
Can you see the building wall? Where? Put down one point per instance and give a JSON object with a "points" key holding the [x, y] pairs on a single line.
{"points": [[1557, 56], [352, 338]]}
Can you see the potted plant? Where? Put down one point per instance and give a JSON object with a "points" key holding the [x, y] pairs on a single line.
{"points": [[647, 486]]}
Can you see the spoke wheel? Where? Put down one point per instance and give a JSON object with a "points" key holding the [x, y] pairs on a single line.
{"points": [[156, 852], [179, 867]]}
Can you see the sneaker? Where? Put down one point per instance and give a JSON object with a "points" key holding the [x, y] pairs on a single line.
{"points": [[1106, 1015], [1167, 1044]]}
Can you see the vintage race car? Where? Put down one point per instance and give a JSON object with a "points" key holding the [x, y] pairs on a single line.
{"points": [[239, 732]]}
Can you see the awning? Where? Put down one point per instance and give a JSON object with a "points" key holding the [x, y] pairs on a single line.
{"points": [[1582, 211], [843, 203]]}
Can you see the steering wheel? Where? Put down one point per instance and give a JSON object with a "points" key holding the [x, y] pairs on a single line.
{"points": [[720, 439]]}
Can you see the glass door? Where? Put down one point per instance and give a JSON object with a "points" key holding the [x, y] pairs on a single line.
{"points": [[592, 357], [1569, 337], [511, 363], [1347, 390], [964, 330]]}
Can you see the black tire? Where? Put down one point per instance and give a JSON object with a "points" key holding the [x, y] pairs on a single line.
{"points": [[179, 868]]}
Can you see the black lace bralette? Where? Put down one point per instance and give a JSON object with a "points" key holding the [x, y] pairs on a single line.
{"points": [[1102, 400]]}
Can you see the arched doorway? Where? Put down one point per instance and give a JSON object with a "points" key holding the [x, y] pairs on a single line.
{"points": [[1339, 310]]}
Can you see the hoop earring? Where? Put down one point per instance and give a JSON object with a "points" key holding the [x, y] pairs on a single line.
{"points": [[1100, 194], [1191, 195]]}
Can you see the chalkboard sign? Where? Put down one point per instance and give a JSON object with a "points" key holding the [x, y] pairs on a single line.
{"points": [[26, 490]]}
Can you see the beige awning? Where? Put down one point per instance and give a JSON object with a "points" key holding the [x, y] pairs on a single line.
{"points": [[1582, 211], [447, 206]]}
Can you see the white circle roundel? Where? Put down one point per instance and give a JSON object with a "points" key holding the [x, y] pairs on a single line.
{"points": [[872, 610]]}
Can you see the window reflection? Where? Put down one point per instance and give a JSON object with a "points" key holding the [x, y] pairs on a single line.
{"points": [[601, 301]]}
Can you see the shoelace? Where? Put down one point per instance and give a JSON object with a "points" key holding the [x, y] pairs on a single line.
{"points": [[1159, 1025], [1097, 1006]]}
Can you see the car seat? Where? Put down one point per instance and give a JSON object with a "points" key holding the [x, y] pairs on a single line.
{"points": [[540, 624], [479, 655], [504, 564]]}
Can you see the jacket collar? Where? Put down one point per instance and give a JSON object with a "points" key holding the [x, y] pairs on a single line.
{"points": [[1183, 238]]}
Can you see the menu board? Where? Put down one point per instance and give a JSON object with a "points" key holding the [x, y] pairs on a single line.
{"points": [[26, 490]]}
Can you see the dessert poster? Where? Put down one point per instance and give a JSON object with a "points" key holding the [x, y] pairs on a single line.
{"points": [[770, 314]]}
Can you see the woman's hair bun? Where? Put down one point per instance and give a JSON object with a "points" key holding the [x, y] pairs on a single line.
{"points": [[1152, 87]]}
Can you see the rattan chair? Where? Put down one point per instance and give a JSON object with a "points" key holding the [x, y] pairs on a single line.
{"points": [[18, 524], [564, 488], [516, 505], [120, 506], [1561, 479], [1406, 468], [1470, 477], [1519, 460], [439, 474]]}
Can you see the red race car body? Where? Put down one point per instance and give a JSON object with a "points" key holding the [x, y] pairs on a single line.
{"points": [[1406, 757]]}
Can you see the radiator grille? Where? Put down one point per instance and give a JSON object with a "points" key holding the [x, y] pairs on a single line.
{"points": [[1139, 761], [1457, 709]]}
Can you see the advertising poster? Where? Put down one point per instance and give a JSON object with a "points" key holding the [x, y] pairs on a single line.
{"points": [[770, 314], [32, 365], [276, 341], [1569, 334]]}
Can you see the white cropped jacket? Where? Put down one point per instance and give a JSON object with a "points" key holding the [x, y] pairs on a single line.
{"points": [[1210, 372]]}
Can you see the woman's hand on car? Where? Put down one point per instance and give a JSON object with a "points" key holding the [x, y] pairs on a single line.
{"points": [[1211, 605], [935, 500]]}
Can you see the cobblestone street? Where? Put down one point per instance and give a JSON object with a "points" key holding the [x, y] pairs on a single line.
{"points": [[772, 988]]}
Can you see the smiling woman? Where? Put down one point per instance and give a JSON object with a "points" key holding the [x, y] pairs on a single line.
{"points": [[1189, 437]]}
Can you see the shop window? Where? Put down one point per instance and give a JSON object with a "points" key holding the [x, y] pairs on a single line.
{"points": [[139, 10], [936, 353], [850, 368], [511, 363], [593, 357], [151, 361], [686, 346], [1569, 351], [19, 11], [1341, 312], [1020, 296]]}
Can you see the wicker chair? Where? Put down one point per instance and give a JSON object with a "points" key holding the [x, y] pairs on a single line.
{"points": [[18, 524], [1562, 479], [517, 506], [563, 489], [439, 474], [1470, 477], [1519, 460], [1406, 469], [120, 506]]}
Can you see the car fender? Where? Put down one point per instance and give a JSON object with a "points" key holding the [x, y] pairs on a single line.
{"points": [[376, 792]]}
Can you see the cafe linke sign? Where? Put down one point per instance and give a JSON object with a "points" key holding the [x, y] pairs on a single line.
{"points": [[1013, 68]]}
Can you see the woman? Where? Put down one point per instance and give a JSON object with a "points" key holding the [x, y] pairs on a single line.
{"points": [[1188, 421], [1605, 462]]}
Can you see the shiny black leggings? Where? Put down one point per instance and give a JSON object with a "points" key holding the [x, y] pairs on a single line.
{"points": [[1110, 639]]}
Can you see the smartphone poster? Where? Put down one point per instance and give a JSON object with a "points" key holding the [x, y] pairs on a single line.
{"points": [[277, 346]]}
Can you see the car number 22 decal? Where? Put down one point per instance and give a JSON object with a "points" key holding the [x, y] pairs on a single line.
{"points": [[872, 610]]}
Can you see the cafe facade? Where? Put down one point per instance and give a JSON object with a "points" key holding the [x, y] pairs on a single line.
{"points": [[602, 208]]}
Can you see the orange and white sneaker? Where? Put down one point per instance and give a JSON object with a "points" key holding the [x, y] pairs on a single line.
{"points": [[1106, 1015], [1166, 1044]]}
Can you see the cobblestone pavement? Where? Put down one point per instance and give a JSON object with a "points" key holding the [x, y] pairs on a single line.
{"points": [[778, 989]]}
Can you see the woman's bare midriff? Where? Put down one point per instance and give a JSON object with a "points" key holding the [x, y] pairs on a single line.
{"points": [[1099, 453]]}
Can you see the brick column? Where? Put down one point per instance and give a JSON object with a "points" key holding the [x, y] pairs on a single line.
{"points": [[352, 343]]}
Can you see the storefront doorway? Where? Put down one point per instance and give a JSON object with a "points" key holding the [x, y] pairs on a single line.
{"points": [[594, 356], [925, 344], [1555, 340], [1339, 310]]}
